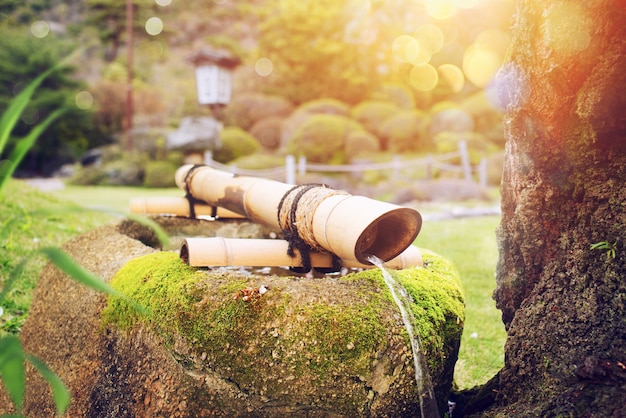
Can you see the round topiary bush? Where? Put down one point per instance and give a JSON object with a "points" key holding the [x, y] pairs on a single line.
{"points": [[267, 131], [372, 113], [398, 94], [247, 109], [322, 138], [326, 106], [235, 143], [405, 132], [360, 144], [160, 174]]}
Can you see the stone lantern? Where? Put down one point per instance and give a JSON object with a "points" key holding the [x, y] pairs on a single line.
{"points": [[214, 74], [197, 136]]}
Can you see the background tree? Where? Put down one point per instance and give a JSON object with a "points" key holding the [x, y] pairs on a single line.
{"points": [[312, 55], [561, 276], [24, 57], [109, 16]]}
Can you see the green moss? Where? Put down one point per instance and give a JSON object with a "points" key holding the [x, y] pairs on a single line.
{"points": [[297, 330], [438, 303]]}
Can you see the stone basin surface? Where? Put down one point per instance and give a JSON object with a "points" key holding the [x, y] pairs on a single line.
{"points": [[212, 344]]}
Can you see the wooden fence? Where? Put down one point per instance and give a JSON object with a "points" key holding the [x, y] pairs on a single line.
{"points": [[457, 162]]}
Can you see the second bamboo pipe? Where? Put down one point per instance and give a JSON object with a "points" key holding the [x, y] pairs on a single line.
{"points": [[218, 252], [352, 227]]}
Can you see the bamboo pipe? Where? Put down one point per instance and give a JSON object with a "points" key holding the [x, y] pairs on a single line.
{"points": [[178, 206], [218, 251], [352, 227]]}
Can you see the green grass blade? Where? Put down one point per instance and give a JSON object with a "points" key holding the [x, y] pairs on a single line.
{"points": [[12, 369], [13, 276], [25, 144], [60, 392], [16, 107]]}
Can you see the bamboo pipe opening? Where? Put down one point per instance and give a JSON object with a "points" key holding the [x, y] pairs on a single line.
{"points": [[388, 235]]}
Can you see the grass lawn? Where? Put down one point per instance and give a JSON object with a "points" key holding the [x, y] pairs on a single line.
{"points": [[468, 242]]}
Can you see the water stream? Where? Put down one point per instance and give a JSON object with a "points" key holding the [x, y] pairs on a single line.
{"points": [[428, 403]]}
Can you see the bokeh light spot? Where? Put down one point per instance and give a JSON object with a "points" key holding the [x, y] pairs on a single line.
{"points": [[423, 77], [480, 65], [495, 39], [30, 116], [453, 76], [40, 29], [154, 26], [83, 100], [567, 28], [430, 35], [263, 67], [154, 49], [440, 9], [405, 48], [163, 3]]}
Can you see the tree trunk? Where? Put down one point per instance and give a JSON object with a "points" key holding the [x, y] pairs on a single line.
{"points": [[563, 190]]}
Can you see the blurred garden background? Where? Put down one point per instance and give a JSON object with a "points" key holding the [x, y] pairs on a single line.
{"points": [[336, 82]]}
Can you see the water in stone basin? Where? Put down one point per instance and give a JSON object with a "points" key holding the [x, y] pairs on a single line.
{"points": [[428, 403]]}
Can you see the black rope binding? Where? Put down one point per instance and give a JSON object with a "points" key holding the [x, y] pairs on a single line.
{"points": [[192, 200], [291, 235]]}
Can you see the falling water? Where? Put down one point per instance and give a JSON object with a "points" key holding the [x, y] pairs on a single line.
{"points": [[428, 403]]}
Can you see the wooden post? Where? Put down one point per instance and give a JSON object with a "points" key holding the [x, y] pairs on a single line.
{"points": [[465, 160]]}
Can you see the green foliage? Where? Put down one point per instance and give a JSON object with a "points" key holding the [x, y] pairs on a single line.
{"points": [[322, 138], [611, 248], [247, 109], [478, 146], [235, 143], [326, 105], [396, 93], [160, 174], [405, 132], [372, 113], [361, 144], [311, 56], [110, 17], [23, 58], [12, 355], [268, 132], [259, 161]]}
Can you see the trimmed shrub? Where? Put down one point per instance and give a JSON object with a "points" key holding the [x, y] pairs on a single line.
{"points": [[451, 120], [372, 113], [267, 131], [247, 109], [160, 174], [487, 117], [322, 138], [477, 145], [235, 143], [326, 106], [259, 161], [405, 132], [399, 94], [361, 143]]}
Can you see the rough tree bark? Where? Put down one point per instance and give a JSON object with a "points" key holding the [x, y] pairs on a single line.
{"points": [[563, 189]]}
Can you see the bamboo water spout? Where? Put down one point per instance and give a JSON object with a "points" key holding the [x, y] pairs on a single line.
{"points": [[178, 206], [218, 252], [351, 227]]}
